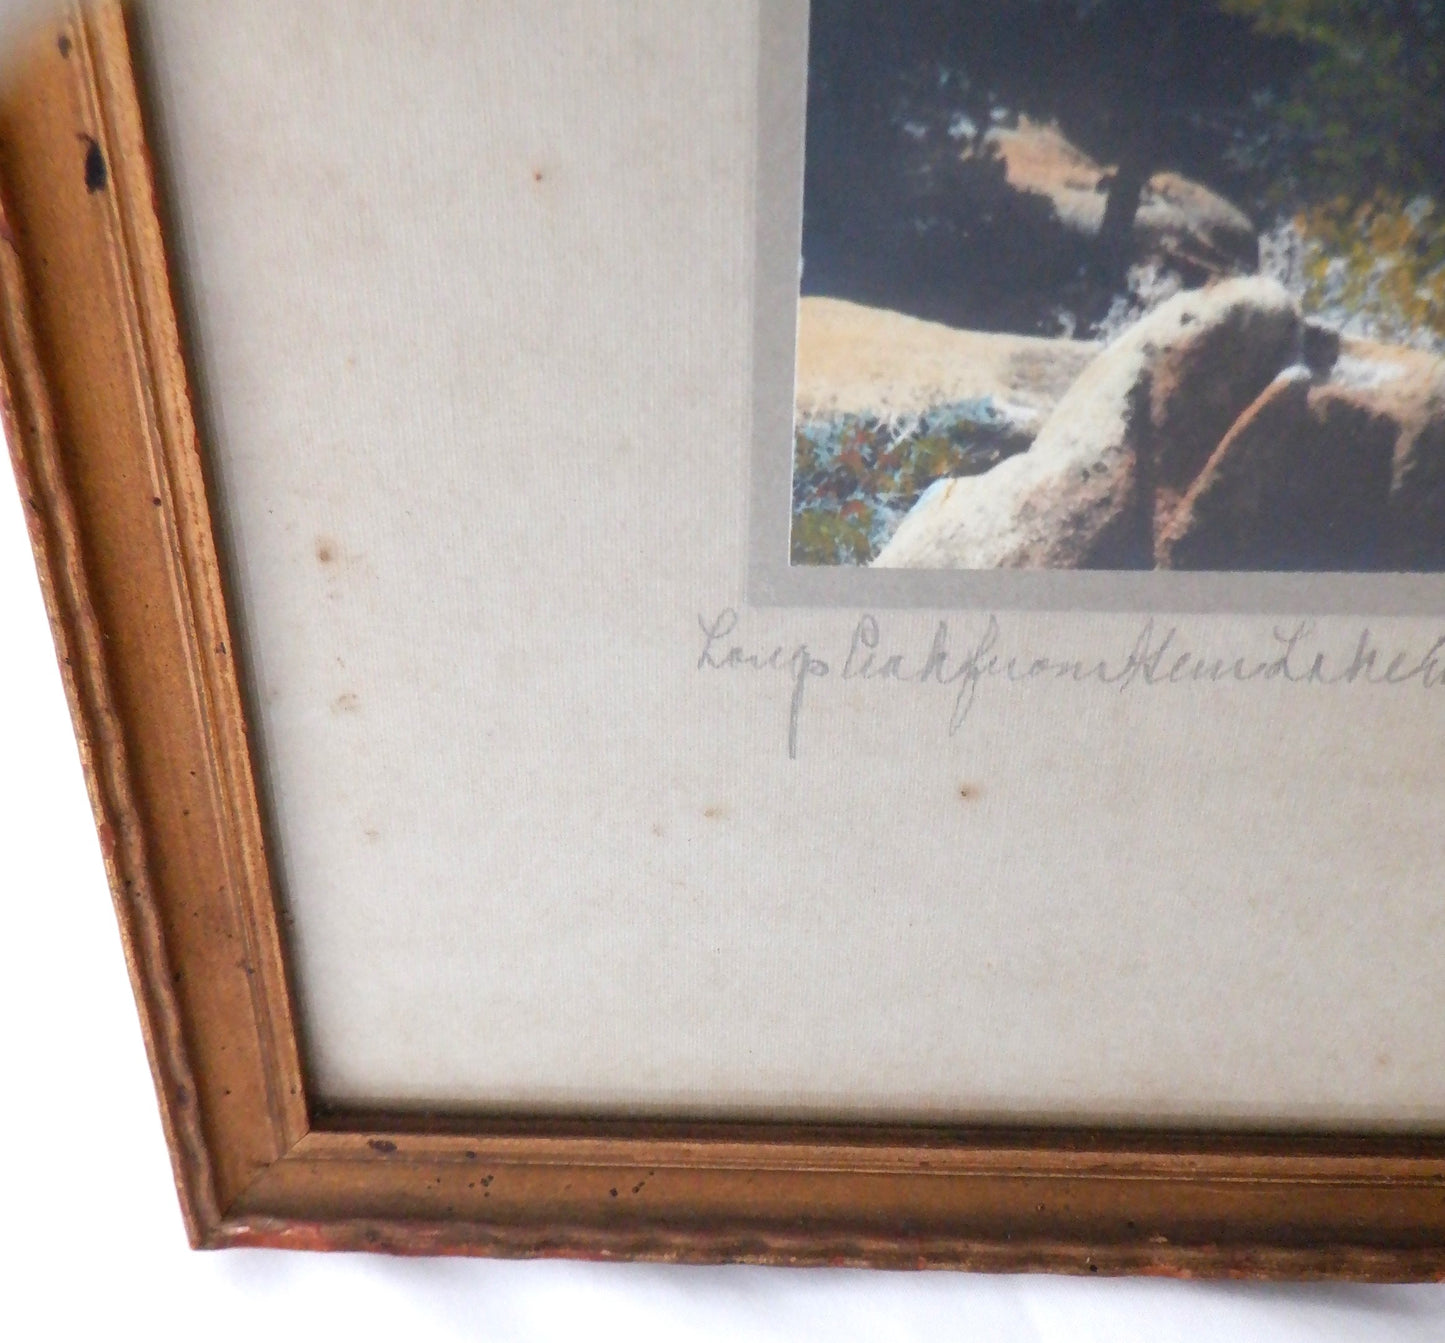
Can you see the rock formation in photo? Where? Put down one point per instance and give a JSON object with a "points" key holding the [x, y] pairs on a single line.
{"points": [[1220, 432], [887, 404], [1178, 223]]}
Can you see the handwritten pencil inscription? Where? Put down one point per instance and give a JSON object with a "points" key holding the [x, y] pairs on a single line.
{"points": [[963, 657]]}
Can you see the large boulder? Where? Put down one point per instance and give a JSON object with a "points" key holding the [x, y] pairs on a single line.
{"points": [[1179, 221], [1409, 386], [1301, 482], [859, 361], [1040, 160], [1141, 421], [1231, 344], [1339, 466], [1417, 496], [1228, 508], [1187, 225]]}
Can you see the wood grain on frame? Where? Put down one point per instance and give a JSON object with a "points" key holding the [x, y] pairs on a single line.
{"points": [[109, 462], [105, 448]]}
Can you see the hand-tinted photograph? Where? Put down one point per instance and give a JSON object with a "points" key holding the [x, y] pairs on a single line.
{"points": [[1123, 285]]}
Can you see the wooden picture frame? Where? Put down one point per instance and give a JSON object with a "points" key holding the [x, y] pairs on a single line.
{"points": [[113, 474]]}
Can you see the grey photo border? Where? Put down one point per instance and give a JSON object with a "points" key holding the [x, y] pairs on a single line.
{"points": [[773, 581]]}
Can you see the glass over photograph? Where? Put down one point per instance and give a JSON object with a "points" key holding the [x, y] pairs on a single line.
{"points": [[1123, 285]]}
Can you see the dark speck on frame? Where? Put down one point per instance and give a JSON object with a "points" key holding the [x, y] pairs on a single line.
{"points": [[97, 175]]}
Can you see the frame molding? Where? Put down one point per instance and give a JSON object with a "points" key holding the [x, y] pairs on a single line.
{"points": [[110, 465]]}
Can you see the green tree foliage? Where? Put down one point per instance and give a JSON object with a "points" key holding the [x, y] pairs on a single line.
{"points": [[855, 477], [1368, 111], [1358, 154]]}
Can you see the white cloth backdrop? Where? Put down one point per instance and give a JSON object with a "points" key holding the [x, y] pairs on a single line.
{"points": [[91, 1242]]}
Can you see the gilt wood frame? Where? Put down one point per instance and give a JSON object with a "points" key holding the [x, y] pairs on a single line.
{"points": [[111, 468]]}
